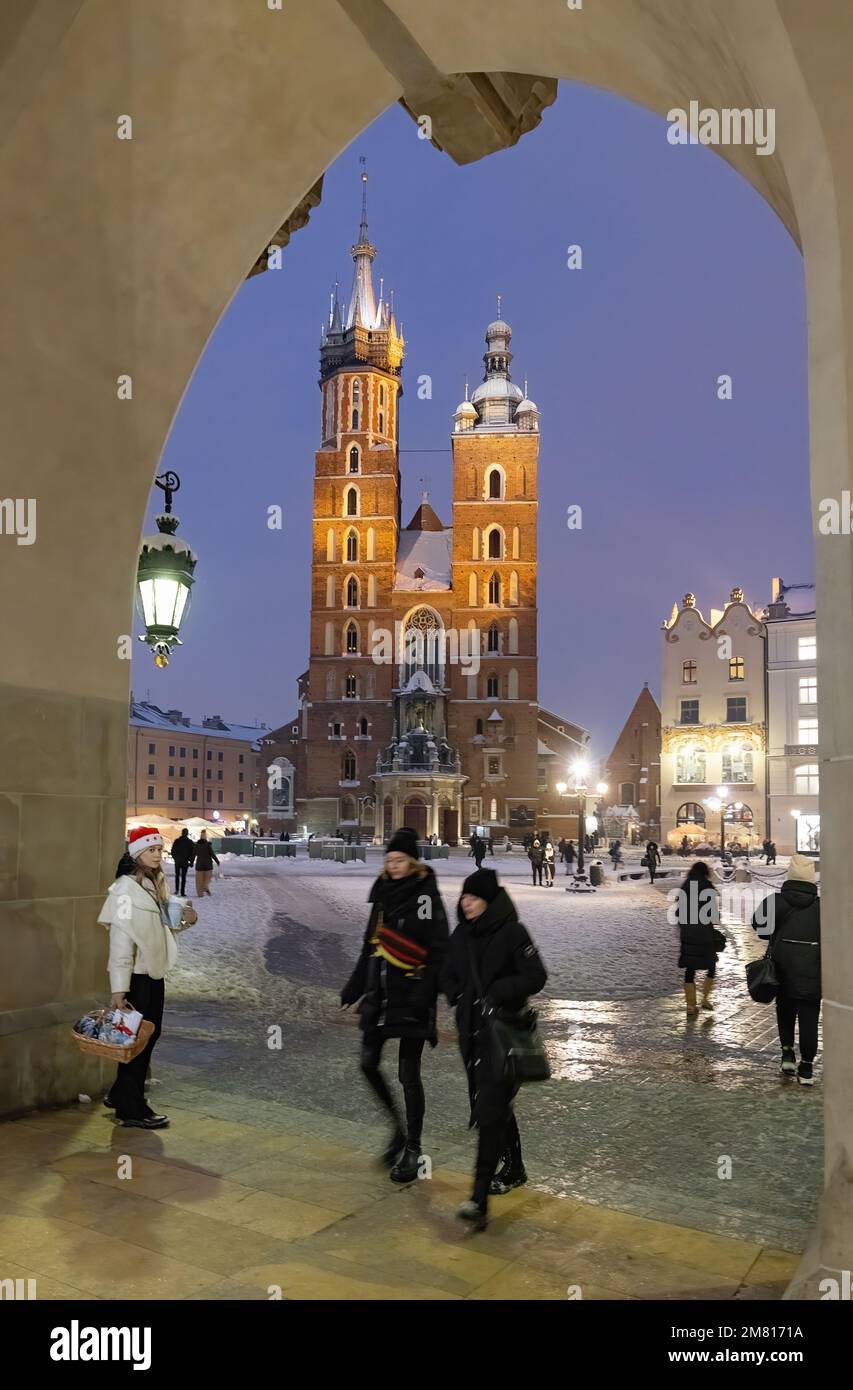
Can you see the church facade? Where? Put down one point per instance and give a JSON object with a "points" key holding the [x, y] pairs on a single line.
{"points": [[419, 705]]}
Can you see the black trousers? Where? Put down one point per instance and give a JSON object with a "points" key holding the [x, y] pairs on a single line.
{"points": [[497, 1131], [805, 1012], [409, 1074], [127, 1091], [690, 975], [181, 879], [537, 873]]}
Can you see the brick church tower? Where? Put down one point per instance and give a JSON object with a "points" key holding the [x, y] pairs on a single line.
{"points": [[356, 521]]}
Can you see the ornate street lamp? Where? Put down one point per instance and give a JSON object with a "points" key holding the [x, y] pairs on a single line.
{"points": [[164, 578], [579, 772], [718, 803]]}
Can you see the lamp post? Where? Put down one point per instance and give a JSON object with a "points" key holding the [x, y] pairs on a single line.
{"points": [[164, 578], [718, 803], [579, 772]]}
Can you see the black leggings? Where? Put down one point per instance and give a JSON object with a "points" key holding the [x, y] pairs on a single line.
{"points": [[127, 1092], [806, 1012], [409, 1074], [690, 975]]}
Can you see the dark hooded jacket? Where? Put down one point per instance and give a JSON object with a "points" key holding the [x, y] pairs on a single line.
{"points": [[508, 964], [794, 914], [698, 913], [399, 1002]]}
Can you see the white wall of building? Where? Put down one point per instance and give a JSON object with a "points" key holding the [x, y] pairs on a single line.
{"points": [[791, 725]]}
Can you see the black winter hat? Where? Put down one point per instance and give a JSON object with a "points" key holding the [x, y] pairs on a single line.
{"points": [[404, 841], [482, 884]]}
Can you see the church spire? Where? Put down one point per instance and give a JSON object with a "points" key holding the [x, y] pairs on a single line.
{"points": [[362, 311]]}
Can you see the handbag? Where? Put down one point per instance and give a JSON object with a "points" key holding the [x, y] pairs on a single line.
{"points": [[517, 1051], [761, 978], [644, 862]]}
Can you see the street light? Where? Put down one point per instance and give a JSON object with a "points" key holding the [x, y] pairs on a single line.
{"points": [[164, 578], [718, 803], [579, 772]]}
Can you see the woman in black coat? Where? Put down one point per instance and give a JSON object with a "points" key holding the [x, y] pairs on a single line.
{"points": [[697, 914], [510, 970], [396, 978], [791, 918]]}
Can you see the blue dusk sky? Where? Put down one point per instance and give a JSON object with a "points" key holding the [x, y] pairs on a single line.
{"points": [[687, 274]]}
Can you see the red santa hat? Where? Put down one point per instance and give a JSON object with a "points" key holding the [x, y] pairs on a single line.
{"points": [[142, 838]]}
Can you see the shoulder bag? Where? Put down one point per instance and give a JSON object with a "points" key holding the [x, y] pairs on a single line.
{"points": [[517, 1051], [761, 978]]}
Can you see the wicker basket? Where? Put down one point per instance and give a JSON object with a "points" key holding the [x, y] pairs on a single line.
{"points": [[116, 1052]]}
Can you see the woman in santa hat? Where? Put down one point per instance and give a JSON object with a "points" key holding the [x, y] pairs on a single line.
{"points": [[142, 918]]}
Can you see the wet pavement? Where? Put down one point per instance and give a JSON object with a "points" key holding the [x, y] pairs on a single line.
{"points": [[683, 1121]]}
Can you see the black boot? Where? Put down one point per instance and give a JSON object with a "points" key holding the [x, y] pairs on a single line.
{"points": [[390, 1155], [407, 1168]]}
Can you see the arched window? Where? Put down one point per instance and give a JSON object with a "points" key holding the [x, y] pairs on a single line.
{"points": [[513, 636], [496, 548], [513, 587], [691, 813], [423, 647], [351, 502], [807, 779], [690, 764], [737, 763], [352, 592], [356, 402], [381, 394], [362, 726], [492, 686], [495, 589], [330, 544], [495, 483], [351, 644], [371, 543], [493, 639], [479, 726], [350, 688], [348, 766], [354, 459], [352, 546], [738, 814], [382, 422], [626, 794], [348, 812]]}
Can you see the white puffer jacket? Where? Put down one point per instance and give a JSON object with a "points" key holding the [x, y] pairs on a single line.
{"points": [[140, 941]]}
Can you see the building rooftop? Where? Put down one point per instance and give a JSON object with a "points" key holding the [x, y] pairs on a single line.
{"points": [[424, 558], [148, 716]]}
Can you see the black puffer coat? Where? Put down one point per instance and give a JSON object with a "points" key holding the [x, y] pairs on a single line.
{"points": [[794, 913], [508, 964], [698, 913], [401, 1003]]}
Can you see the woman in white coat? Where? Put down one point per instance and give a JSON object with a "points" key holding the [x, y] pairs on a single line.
{"points": [[142, 918]]}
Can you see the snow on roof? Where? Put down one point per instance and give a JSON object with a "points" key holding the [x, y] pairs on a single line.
{"points": [[424, 550], [151, 717], [543, 750], [800, 599]]}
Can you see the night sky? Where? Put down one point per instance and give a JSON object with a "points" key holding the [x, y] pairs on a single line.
{"points": [[687, 274]]}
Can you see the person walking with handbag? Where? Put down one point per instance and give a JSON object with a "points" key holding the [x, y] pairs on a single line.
{"points": [[792, 918], [397, 978], [698, 918], [142, 918], [492, 965], [204, 862], [651, 859]]}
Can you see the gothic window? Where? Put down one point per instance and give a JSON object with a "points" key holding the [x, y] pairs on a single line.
{"points": [[493, 639], [349, 766], [356, 403], [479, 726], [495, 589], [495, 544], [280, 785], [492, 687], [351, 502], [354, 460], [352, 592], [350, 688], [363, 727], [355, 419], [690, 765], [352, 637], [423, 647], [495, 483], [382, 422], [737, 763], [352, 546]]}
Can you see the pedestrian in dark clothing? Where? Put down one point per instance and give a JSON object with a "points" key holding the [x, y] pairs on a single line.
{"points": [[397, 978], [561, 847], [791, 918], [536, 855], [697, 914], [652, 858], [771, 853], [569, 856], [183, 854], [509, 969], [615, 853], [478, 849], [685, 846], [204, 862]]}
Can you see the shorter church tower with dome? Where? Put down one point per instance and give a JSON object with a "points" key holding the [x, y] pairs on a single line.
{"points": [[420, 702]]}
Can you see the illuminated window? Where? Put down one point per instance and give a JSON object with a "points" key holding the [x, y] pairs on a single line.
{"points": [[736, 668], [690, 765], [352, 638], [737, 763], [808, 690], [807, 648], [688, 672], [807, 780], [350, 688], [807, 731]]}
